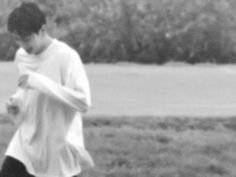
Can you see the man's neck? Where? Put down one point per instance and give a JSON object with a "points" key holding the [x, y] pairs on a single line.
{"points": [[45, 43]]}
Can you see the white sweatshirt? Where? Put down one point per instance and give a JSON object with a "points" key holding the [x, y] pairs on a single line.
{"points": [[49, 140]]}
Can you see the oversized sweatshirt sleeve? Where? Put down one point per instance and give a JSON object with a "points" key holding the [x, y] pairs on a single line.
{"points": [[76, 91], [18, 96]]}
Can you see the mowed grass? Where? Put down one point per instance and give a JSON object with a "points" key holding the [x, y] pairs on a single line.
{"points": [[134, 90], [155, 146]]}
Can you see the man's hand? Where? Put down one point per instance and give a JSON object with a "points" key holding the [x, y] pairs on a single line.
{"points": [[12, 108]]}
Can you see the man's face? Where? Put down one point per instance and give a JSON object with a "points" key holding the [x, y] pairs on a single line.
{"points": [[30, 43]]}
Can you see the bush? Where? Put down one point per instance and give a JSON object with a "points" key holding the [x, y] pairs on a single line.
{"points": [[157, 31], [8, 47]]}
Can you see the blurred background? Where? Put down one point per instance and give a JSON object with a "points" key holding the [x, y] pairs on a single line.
{"points": [[143, 31]]}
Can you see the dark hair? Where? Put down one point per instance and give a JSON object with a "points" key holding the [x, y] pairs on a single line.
{"points": [[26, 19]]}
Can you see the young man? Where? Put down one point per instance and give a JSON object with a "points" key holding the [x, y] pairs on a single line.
{"points": [[53, 91]]}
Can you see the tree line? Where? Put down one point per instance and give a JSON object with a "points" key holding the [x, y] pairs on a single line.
{"points": [[144, 31]]}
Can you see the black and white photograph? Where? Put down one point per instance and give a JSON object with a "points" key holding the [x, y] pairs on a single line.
{"points": [[117, 88]]}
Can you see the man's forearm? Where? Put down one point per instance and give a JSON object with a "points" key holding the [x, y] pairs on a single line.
{"points": [[77, 99]]}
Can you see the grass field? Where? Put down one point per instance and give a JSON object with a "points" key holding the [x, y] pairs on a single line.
{"points": [[162, 147], [150, 121], [134, 90], [155, 146]]}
